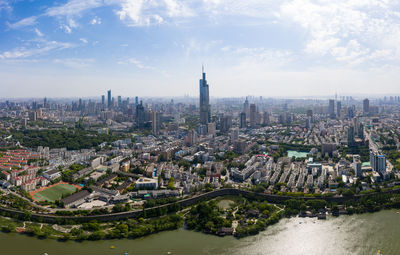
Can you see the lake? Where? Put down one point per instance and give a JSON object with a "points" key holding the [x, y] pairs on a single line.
{"points": [[356, 234]]}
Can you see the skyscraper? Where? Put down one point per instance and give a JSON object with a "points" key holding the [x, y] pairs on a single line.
{"points": [[109, 99], [366, 106], [140, 115], [103, 100], [205, 111], [331, 108], [378, 162], [246, 107], [119, 101], [243, 120], [338, 108], [253, 115], [350, 136], [156, 122]]}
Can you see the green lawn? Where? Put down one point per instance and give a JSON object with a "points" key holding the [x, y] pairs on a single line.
{"points": [[54, 193]]}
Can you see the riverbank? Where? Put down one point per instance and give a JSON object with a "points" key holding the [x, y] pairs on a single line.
{"points": [[336, 235]]}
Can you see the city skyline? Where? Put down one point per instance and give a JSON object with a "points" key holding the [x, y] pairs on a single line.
{"points": [[266, 48]]}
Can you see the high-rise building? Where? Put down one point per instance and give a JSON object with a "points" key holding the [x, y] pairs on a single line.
{"points": [[234, 134], [205, 109], [243, 123], [136, 100], [366, 106], [357, 165], [265, 118], [246, 107], [378, 162], [156, 122], [331, 108], [103, 100], [350, 136], [338, 108], [119, 101], [225, 123], [211, 129], [310, 115], [140, 115], [253, 115], [109, 103], [360, 132]]}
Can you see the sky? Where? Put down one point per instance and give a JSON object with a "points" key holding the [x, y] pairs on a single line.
{"points": [[269, 48]]}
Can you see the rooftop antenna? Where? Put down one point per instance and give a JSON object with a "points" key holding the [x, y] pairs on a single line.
{"points": [[202, 68]]}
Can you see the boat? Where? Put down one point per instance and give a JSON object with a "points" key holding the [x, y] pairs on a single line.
{"points": [[112, 247]]}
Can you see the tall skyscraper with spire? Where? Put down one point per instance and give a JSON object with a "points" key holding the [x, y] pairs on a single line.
{"points": [[205, 109]]}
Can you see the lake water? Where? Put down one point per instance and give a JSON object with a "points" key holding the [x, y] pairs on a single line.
{"points": [[357, 234]]}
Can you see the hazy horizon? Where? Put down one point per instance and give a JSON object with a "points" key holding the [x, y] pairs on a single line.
{"points": [[285, 49]]}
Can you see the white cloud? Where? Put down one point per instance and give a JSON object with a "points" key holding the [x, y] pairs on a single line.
{"points": [[37, 47], [23, 23], [95, 21], [350, 31], [83, 40], [76, 63], [38, 33], [148, 12], [73, 7], [5, 5], [135, 62], [66, 29]]}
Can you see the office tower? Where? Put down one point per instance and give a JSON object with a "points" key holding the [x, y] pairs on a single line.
{"points": [[136, 100], [243, 120], [211, 129], [338, 108], [331, 108], [351, 111], [32, 115], [103, 100], [350, 136], [192, 137], [360, 132], [253, 113], [205, 111], [310, 115], [308, 122], [156, 122], [234, 134], [119, 101], [246, 107], [140, 115], [378, 162], [225, 123], [109, 99], [366, 106], [357, 165], [45, 102], [266, 118]]}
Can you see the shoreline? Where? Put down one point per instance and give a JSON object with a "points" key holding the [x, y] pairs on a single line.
{"points": [[294, 207]]}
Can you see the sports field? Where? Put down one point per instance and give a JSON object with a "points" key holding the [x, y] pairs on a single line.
{"points": [[54, 192]]}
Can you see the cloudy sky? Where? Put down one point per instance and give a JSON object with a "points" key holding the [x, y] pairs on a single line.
{"points": [[290, 48]]}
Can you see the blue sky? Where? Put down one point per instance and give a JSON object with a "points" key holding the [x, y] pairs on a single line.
{"points": [[291, 48]]}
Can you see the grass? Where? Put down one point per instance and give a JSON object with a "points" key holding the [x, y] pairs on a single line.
{"points": [[54, 193]]}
